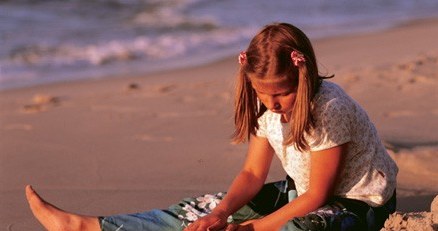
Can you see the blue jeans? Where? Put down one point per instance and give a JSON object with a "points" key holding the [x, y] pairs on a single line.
{"points": [[339, 213], [345, 215]]}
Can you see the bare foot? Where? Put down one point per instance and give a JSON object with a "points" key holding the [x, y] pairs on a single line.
{"points": [[55, 219]]}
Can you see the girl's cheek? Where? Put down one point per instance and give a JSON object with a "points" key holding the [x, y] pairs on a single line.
{"points": [[290, 101], [263, 100]]}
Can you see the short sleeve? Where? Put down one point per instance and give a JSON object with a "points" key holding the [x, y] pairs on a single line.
{"points": [[332, 125], [261, 131]]}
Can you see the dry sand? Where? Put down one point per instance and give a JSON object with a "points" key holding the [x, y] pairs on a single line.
{"points": [[123, 145]]}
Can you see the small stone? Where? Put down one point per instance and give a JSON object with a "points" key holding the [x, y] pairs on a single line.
{"points": [[45, 99], [133, 86]]}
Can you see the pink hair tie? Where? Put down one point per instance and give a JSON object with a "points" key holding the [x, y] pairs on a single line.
{"points": [[242, 57], [297, 58]]}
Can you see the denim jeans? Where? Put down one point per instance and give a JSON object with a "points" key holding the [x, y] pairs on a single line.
{"points": [[338, 214]]}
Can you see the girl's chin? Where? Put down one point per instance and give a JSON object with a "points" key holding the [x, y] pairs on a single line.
{"points": [[278, 112], [285, 115]]}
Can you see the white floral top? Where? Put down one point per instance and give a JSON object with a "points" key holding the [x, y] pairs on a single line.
{"points": [[368, 174]]}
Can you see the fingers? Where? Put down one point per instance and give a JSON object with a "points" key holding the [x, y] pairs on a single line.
{"points": [[192, 227], [216, 226], [189, 228], [203, 225], [197, 226], [239, 227], [232, 227]]}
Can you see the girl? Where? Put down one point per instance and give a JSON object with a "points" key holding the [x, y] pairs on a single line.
{"points": [[340, 176]]}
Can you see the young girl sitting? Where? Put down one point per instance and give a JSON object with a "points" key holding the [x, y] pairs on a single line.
{"points": [[340, 176]]}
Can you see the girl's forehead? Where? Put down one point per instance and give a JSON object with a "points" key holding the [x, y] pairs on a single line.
{"points": [[272, 86]]}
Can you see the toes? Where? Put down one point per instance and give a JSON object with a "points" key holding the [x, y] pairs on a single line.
{"points": [[29, 192], [29, 188], [32, 197]]}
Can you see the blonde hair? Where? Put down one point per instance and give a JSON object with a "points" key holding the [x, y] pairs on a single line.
{"points": [[269, 57]]}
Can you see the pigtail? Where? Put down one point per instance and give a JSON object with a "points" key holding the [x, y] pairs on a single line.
{"points": [[245, 109], [302, 116], [309, 82]]}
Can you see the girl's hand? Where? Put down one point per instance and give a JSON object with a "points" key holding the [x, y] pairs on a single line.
{"points": [[236, 227], [251, 225], [211, 222]]}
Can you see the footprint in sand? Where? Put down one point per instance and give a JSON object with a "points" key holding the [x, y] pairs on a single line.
{"points": [[422, 69]]}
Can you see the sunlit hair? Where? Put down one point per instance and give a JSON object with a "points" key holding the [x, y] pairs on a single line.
{"points": [[268, 58]]}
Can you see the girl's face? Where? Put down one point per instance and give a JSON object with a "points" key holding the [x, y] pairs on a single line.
{"points": [[278, 96]]}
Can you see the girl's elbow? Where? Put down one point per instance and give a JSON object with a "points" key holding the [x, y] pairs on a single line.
{"points": [[253, 177], [318, 198]]}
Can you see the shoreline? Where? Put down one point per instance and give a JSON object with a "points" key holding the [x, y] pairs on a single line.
{"points": [[159, 71], [104, 146]]}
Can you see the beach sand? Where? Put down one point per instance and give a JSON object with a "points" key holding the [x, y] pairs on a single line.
{"points": [[123, 145]]}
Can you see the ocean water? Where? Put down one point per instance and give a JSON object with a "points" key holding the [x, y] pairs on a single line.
{"points": [[43, 41]]}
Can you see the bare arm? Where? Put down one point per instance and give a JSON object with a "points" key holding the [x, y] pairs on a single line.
{"points": [[244, 187], [325, 166], [251, 178]]}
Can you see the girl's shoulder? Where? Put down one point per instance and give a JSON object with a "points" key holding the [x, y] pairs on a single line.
{"points": [[330, 92], [331, 101]]}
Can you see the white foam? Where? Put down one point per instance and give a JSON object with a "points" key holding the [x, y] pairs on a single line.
{"points": [[67, 39]]}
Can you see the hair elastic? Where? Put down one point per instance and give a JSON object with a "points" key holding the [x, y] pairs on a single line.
{"points": [[242, 57], [297, 58]]}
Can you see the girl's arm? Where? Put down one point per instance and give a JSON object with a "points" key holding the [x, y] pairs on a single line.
{"points": [[251, 178], [325, 166], [244, 187]]}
